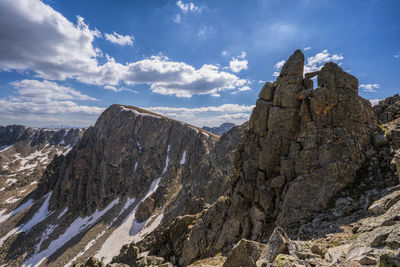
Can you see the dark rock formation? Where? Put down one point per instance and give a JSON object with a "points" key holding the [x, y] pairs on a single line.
{"points": [[388, 109], [10, 135], [303, 147], [122, 154], [223, 128]]}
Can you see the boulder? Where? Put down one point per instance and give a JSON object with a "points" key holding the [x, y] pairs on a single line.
{"points": [[277, 244], [245, 253], [310, 75]]}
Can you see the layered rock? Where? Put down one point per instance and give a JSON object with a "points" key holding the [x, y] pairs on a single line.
{"points": [[122, 154], [303, 147]]}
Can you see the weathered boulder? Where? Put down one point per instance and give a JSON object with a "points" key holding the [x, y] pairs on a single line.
{"points": [[277, 244], [245, 253]]}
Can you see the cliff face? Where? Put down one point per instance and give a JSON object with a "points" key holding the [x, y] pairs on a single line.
{"points": [[303, 147], [122, 154]]}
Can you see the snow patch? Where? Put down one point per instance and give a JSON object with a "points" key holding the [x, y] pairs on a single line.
{"points": [[139, 147], [135, 167], [4, 148], [195, 129], [39, 216], [12, 200], [62, 213], [17, 210], [139, 113], [76, 227], [88, 246], [166, 160], [47, 232], [11, 181], [183, 160], [129, 231], [34, 182]]}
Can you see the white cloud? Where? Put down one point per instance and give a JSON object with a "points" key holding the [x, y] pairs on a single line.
{"points": [[120, 89], [224, 53], [375, 101], [242, 55], [397, 55], [119, 39], [207, 116], [189, 7], [261, 81], [239, 63], [177, 78], [40, 91], [314, 63], [178, 18], [307, 48], [34, 36], [317, 61], [38, 38], [42, 102], [369, 88], [205, 29], [244, 88], [279, 64]]}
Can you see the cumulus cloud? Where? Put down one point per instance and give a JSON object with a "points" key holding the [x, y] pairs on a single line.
{"points": [[375, 101], [178, 78], [224, 53], [279, 64], [188, 7], [239, 63], [207, 116], [119, 39], [317, 61], [313, 63], [307, 48], [36, 37], [40, 91], [42, 102], [369, 88]]}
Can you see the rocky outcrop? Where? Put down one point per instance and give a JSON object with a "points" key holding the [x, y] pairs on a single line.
{"points": [[223, 128], [303, 147], [388, 109]]}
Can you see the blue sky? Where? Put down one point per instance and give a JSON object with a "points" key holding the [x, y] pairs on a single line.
{"points": [[203, 62]]}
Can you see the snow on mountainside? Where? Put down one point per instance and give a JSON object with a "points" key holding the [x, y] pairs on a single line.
{"points": [[127, 176]]}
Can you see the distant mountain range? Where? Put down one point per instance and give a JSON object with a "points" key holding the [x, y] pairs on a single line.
{"points": [[223, 128]]}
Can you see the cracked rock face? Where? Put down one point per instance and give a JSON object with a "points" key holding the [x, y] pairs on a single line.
{"points": [[121, 155], [303, 147]]}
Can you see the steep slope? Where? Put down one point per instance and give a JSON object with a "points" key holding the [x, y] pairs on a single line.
{"points": [[131, 172], [24, 154]]}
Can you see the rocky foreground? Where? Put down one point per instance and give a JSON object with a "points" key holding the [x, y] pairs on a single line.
{"points": [[311, 180]]}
